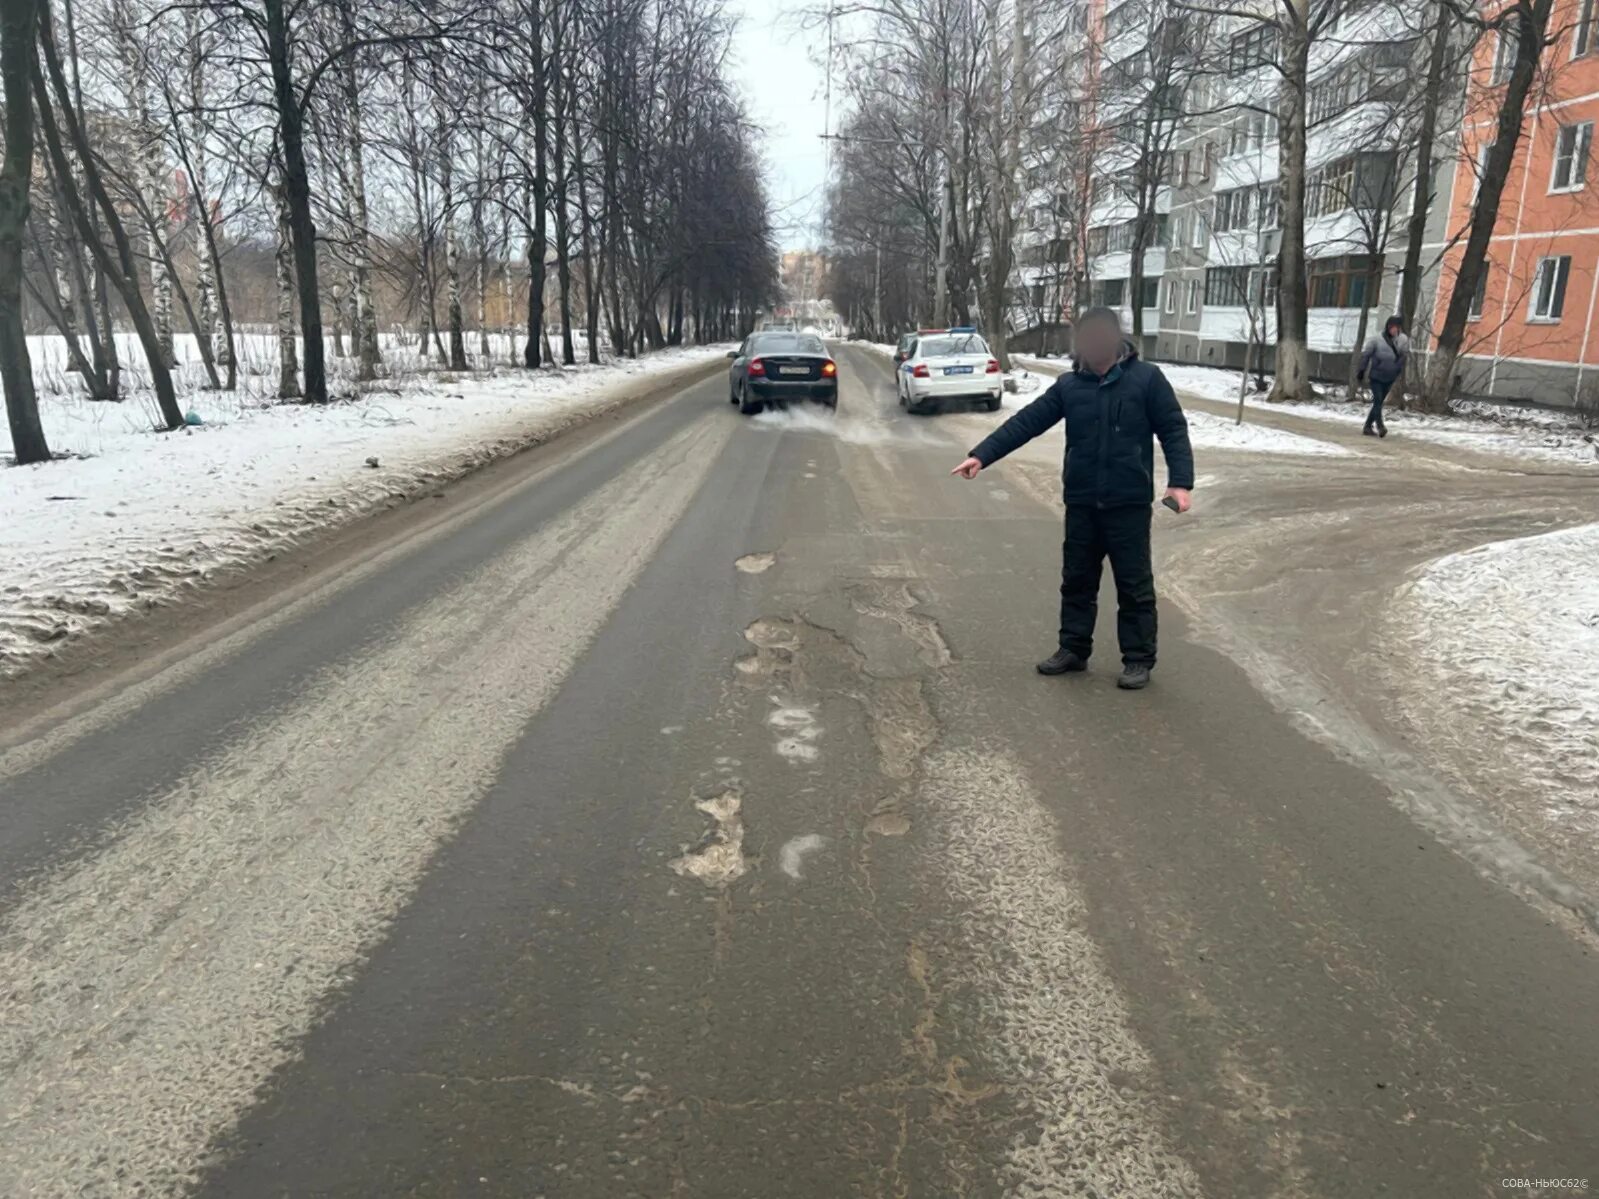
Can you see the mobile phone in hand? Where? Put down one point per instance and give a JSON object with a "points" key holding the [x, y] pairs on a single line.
{"points": [[1171, 503]]}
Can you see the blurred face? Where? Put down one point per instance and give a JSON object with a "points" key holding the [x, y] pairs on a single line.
{"points": [[1099, 344]]}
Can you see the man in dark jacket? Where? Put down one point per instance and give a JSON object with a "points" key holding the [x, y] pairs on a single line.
{"points": [[1113, 405]]}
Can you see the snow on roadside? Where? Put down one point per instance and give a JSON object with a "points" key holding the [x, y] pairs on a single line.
{"points": [[1505, 638], [1535, 433], [1210, 432], [134, 518]]}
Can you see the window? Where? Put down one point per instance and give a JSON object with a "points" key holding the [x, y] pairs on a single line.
{"points": [[1233, 209], [1331, 188], [1480, 169], [1193, 296], [1582, 39], [1249, 208], [1250, 132], [1504, 58], [1269, 209], [1179, 230], [1171, 297], [1339, 282], [1183, 166], [1478, 296], [1197, 231], [1549, 288], [1571, 157], [1253, 48], [1123, 17], [1263, 286], [1224, 285], [1115, 292], [1151, 293]]}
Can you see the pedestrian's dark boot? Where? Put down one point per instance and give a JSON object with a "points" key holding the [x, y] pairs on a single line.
{"points": [[1382, 429], [1134, 676], [1063, 661], [1369, 431]]}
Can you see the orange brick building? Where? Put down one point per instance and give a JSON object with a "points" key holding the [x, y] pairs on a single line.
{"points": [[1531, 332]]}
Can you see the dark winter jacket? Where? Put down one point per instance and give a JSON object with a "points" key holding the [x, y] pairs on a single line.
{"points": [[1384, 359], [1110, 423]]}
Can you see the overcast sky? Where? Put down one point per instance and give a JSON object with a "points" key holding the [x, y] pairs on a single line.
{"points": [[786, 91]]}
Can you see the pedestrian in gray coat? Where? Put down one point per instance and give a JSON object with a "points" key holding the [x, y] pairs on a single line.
{"points": [[1384, 361]]}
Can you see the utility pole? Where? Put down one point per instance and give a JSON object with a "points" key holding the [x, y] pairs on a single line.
{"points": [[941, 288], [877, 296]]}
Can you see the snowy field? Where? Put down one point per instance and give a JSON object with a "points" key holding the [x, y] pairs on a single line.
{"points": [[134, 517], [1508, 635]]}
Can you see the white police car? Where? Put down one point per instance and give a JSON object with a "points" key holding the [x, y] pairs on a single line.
{"points": [[949, 367]]}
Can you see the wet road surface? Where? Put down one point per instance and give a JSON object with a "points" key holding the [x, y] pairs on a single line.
{"points": [[687, 819]]}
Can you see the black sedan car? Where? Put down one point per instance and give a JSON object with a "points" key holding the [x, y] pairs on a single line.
{"points": [[770, 369]]}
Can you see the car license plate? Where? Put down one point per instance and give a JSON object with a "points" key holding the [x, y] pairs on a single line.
{"points": [[793, 370], [957, 370]]}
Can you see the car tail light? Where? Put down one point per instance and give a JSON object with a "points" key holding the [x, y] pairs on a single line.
{"points": [[920, 371], [757, 367], [993, 366], [829, 369]]}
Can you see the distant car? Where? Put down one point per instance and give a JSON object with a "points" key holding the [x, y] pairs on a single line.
{"points": [[907, 343], [954, 366], [775, 368]]}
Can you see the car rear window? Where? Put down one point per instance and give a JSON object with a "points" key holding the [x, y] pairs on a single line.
{"points": [[789, 343], [946, 347]]}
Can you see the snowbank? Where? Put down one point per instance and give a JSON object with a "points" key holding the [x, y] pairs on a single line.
{"points": [[1532, 433], [1210, 432], [1507, 637], [135, 517]]}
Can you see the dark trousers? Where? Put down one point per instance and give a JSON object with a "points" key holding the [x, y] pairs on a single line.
{"points": [[1379, 393], [1122, 535]]}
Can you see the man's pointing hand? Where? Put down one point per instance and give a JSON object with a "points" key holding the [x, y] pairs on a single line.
{"points": [[968, 469]]}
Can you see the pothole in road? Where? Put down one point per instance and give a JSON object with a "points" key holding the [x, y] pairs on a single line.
{"points": [[791, 858], [754, 564], [720, 860], [892, 601], [801, 729], [775, 643]]}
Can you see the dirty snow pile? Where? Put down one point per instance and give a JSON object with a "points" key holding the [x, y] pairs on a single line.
{"points": [[1222, 433], [1507, 636], [129, 518], [1542, 434]]}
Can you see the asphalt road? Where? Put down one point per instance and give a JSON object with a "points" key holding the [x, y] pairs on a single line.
{"points": [[684, 817]]}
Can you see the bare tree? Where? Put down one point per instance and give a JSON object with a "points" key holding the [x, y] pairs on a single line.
{"points": [[18, 19]]}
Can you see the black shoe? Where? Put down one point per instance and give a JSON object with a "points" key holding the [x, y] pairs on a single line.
{"points": [[1134, 676], [1369, 431], [1062, 661], [1382, 430]]}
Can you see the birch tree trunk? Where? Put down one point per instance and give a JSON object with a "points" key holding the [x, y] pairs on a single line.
{"points": [[1293, 300], [149, 170], [365, 321], [288, 357], [452, 262], [121, 271], [199, 190]]}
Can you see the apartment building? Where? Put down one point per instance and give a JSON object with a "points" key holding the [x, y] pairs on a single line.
{"points": [[1530, 332], [1208, 292]]}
